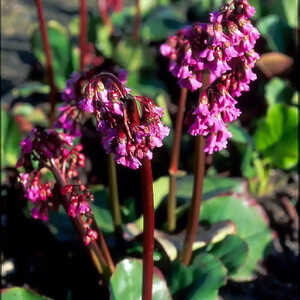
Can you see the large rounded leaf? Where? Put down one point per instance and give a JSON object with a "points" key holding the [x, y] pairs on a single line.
{"points": [[232, 251], [126, 282], [17, 293], [201, 280], [276, 137], [251, 225]]}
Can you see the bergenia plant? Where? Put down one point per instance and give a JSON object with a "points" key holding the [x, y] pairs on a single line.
{"points": [[44, 151], [218, 58], [215, 59], [127, 133]]}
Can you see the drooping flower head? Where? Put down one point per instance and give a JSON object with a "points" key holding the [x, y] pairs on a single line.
{"points": [[128, 138], [72, 113], [223, 48], [47, 151]]}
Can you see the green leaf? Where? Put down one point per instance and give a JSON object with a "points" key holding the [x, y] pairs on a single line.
{"points": [[10, 139], [276, 136], [34, 115], [162, 102], [126, 282], [290, 9], [201, 280], [212, 187], [75, 57], [200, 9], [250, 223], [278, 91], [60, 225], [60, 50], [286, 10], [18, 293], [277, 33], [232, 251], [30, 88], [258, 8], [247, 167], [101, 210], [160, 190], [239, 134], [103, 43], [129, 55], [160, 24]]}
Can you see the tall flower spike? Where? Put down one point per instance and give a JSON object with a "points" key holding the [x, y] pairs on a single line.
{"points": [[225, 49], [129, 142]]}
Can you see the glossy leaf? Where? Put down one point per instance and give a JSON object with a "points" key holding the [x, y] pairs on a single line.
{"points": [[10, 139], [276, 136], [278, 91], [239, 134], [103, 43], [132, 56], [232, 251], [201, 280], [61, 226], [277, 33], [126, 282], [18, 293], [60, 50], [160, 190], [101, 210], [251, 225], [160, 24]]}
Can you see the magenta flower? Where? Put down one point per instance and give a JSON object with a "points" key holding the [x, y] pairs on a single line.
{"points": [[129, 140], [225, 49], [55, 152]]}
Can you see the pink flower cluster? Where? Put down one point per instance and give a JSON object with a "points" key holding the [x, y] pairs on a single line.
{"points": [[108, 100], [79, 197], [129, 138], [72, 112], [38, 193], [225, 49], [56, 153]]}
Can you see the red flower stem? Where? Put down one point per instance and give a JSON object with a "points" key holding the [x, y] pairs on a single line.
{"points": [[171, 204], [137, 21], [49, 65], [148, 212], [193, 219], [148, 235], [83, 32], [103, 11], [102, 262]]}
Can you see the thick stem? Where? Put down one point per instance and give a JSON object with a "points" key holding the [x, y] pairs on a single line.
{"points": [[137, 21], [103, 11], [148, 235], [49, 65], [148, 212], [193, 219], [83, 33], [113, 194], [102, 262], [171, 204]]}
